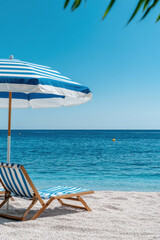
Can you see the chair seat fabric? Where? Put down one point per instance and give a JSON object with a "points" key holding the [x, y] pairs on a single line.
{"points": [[14, 180], [59, 190]]}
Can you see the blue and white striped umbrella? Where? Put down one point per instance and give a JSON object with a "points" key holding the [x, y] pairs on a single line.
{"points": [[38, 86], [24, 84]]}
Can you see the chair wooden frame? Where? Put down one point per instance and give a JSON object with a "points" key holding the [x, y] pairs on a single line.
{"points": [[2, 193], [44, 205]]}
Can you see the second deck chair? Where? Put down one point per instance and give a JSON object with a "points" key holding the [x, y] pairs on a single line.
{"points": [[17, 182], [2, 191]]}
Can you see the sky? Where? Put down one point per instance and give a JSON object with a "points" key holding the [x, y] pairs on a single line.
{"points": [[119, 64]]}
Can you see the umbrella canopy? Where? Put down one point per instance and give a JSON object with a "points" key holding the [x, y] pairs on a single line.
{"points": [[38, 86], [24, 84]]}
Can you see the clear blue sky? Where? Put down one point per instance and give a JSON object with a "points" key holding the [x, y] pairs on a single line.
{"points": [[120, 64]]}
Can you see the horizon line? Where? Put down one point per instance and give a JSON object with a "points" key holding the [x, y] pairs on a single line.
{"points": [[84, 129]]}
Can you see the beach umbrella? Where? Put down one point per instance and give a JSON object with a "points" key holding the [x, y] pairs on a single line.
{"points": [[24, 84]]}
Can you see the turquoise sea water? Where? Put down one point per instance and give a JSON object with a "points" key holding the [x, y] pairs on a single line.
{"points": [[88, 158]]}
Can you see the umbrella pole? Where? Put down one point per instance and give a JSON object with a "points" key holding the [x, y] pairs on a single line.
{"points": [[9, 133], [9, 128]]}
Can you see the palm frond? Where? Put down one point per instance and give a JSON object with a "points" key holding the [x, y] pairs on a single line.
{"points": [[149, 9], [66, 3], [158, 18], [108, 8], [146, 4], [76, 4], [136, 10]]}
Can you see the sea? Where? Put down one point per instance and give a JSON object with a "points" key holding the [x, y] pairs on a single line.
{"points": [[88, 158]]}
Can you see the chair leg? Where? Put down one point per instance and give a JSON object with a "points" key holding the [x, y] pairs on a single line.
{"points": [[86, 207], [84, 203], [2, 194], [15, 217], [4, 201], [27, 211], [38, 213], [60, 201], [42, 208], [29, 208]]}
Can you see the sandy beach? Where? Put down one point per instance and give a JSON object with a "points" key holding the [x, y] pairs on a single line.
{"points": [[115, 215]]}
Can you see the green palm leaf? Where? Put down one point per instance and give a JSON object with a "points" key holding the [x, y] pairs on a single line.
{"points": [[66, 3], [136, 10], [158, 18], [149, 9], [108, 8], [76, 4], [146, 4]]}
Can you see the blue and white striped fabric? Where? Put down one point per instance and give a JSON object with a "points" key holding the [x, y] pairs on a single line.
{"points": [[38, 86], [58, 191], [15, 181]]}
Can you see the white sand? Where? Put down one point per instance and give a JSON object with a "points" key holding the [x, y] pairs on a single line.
{"points": [[115, 215]]}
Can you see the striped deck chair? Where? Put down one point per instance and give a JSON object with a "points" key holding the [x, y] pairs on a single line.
{"points": [[17, 182]]}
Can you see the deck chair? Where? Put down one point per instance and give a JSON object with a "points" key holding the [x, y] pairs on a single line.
{"points": [[17, 182]]}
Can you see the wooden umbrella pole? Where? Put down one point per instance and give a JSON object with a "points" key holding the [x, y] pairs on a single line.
{"points": [[9, 127], [9, 133]]}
